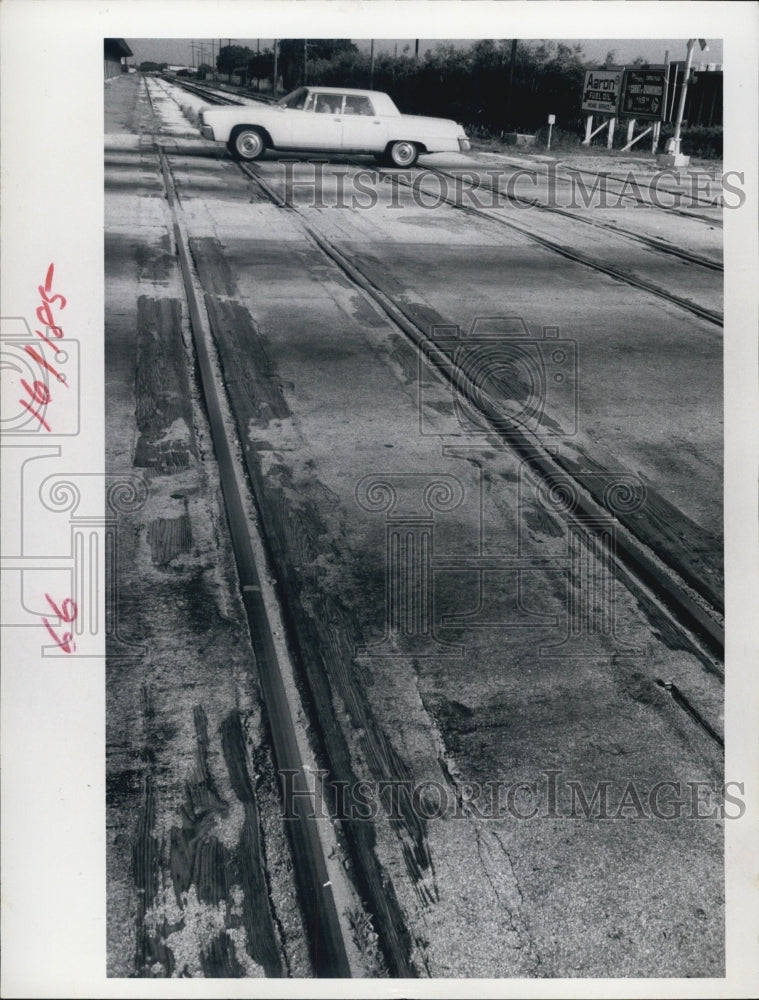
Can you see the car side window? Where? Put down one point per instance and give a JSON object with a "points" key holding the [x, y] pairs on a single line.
{"points": [[297, 101], [356, 105], [329, 104]]}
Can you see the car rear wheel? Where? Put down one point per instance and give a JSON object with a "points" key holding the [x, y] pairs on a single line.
{"points": [[402, 154], [247, 143]]}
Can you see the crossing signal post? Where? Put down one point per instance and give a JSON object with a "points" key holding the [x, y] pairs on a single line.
{"points": [[673, 157]]}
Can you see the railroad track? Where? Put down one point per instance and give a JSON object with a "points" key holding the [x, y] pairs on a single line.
{"points": [[641, 570], [605, 178], [648, 241], [640, 567], [687, 605], [701, 202], [328, 929], [214, 96], [569, 253]]}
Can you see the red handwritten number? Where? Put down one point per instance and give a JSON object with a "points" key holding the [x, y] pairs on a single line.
{"points": [[45, 311], [67, 613], [39, 392], [41, 361]]}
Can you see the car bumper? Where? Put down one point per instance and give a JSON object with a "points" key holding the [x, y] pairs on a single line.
{"points": [[207, 132], [464, 145]]}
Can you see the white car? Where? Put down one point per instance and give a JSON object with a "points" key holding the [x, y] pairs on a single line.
{"points": [[331, 119]]}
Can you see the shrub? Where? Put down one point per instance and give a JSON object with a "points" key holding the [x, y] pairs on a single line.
{"points": [[560, 138], [704, 141]]}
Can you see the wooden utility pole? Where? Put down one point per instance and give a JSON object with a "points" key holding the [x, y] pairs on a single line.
{"points": [[371, 67], [305, 60], [276, 70], [416, 48]]}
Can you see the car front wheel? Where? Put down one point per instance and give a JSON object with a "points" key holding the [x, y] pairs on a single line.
{"points": [[402, 154], [247, 143]]}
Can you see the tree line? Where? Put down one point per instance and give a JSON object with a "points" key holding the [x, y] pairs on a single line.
{"points": [[493, 85]]}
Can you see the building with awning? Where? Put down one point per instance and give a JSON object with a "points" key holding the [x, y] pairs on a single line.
{"points": [[115, 52]]}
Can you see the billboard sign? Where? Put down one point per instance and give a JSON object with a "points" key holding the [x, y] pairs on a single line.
{"points": [[644, 93], [601, 90]]}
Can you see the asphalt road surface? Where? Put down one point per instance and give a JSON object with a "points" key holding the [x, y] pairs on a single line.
{"points": [[518, 728]]}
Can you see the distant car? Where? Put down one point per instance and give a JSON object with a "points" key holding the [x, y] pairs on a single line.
{"points": [[331, 119]]}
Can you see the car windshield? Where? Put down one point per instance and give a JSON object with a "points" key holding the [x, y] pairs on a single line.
{"points": [[296, 99]]}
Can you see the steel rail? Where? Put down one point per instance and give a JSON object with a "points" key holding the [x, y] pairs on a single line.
{"points": [[648, 241], [329, 953], [209, 95], [216, 96]]}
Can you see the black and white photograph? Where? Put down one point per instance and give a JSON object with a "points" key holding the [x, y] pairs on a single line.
{"points": [[380, 534]]}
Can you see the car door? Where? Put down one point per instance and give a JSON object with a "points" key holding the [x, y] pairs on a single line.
{"points": [[363, 129], [319, 124]]}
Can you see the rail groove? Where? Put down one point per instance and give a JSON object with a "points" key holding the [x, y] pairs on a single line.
{"points": [[314, 875]]}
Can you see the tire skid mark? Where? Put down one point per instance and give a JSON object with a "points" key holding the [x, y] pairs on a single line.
{"points": [[251, 858], [169, 537], [151, 952], [199, 860]]}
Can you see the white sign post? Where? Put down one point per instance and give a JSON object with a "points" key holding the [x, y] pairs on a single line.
{"points": [[551, 123]]}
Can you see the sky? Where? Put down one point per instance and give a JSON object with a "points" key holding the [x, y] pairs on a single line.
{"points": [[179, 51]]}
